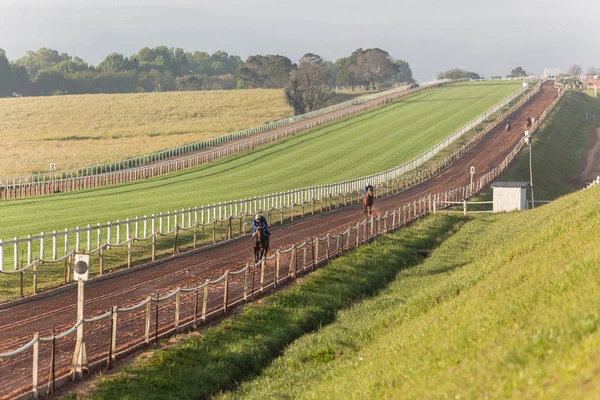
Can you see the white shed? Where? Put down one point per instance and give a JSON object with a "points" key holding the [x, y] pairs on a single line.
{"points": [[510, 196]]}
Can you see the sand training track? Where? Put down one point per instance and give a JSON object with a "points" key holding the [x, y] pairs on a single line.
{"points": [[18, 323]]}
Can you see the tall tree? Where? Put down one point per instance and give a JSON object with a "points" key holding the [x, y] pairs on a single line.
{"points": [[374, 65], [517, 72], [575, 70], [5, 75], [307, 88]]}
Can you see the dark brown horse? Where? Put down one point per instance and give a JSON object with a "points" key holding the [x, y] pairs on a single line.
{"points": [[261, 244], [368, 202]]}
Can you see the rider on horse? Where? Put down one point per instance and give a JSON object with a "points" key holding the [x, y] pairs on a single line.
{"points": [[367, 189], [508, 124], [259, 220]]}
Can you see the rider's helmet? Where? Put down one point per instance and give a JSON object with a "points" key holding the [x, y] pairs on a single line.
{"points": [[257, 217]]}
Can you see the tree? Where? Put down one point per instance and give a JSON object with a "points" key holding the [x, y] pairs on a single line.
{"points": [[42, 59], [457, 74], [374, 65], [403, 72], [270, 71], [189, 83], [575, 70], [306, 89], [5, 75], [518, 72]]}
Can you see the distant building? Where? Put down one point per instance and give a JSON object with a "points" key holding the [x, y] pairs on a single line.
{"points": [[510, 196], [551, 73]]}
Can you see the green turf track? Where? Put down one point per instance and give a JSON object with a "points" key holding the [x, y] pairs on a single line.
{"points": [[367, 143]]}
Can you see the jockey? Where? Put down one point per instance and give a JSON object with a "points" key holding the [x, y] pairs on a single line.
{"points": [[259, 220], [508, 122], [367, 189]]}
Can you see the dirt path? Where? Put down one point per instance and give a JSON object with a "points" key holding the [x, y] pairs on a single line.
{"points": [[18, 323], [592, 162]]}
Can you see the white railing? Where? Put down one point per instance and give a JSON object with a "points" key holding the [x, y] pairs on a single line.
{"points": [[593, 183], [124, 232]]}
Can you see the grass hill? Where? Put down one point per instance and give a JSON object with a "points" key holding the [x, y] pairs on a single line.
{"points": [[366, 143], [505, 307], [84, 130]]}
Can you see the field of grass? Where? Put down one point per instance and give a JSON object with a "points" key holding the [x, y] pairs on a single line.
{"points": [[364, 144], [505, 307], [83, 130]]}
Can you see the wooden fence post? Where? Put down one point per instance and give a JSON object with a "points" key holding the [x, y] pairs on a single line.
{"points": [[36, 364], [113, 334], [35, 277], [154, 247], [277, 264], [226, 292], [177, 309], [205, 301], [148, 316], [246, 282], [262, 275], [101, 259]]}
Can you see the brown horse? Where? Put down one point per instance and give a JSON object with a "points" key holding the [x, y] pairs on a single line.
{"points": [[507, 128], [261, 244], [368, 202]]}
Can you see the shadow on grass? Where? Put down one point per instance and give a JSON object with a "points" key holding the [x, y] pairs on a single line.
{"points": [[242, 346]]}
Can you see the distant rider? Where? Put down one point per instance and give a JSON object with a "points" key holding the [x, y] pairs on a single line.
{"points": [[259, 220], [508, 125], [367, 189]]}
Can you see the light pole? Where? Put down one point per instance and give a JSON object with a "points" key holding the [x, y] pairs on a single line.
{"points": [[528, 141]]}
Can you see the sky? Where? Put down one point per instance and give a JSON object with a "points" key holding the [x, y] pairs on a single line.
{"points": [[487, 37]]}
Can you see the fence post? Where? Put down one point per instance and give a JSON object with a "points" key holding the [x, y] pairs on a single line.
{"points": [[113, 335], [101, 259], [215, 231], [154, 246], [129, 252], [327, 247], [277, 261], [35, 277], [205, 301], [316, 257], [229, 233], [226, 291], [196, 234], [36, 363], [177, 309], [148, 318], [465, 207], [246, 282]]}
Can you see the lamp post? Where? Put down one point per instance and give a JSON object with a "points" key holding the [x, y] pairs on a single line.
{"points": [[528, 141]]}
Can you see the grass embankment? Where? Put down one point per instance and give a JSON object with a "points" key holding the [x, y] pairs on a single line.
{"points": [[84, 130], [505, 308], [242, 346], [366, 143]]}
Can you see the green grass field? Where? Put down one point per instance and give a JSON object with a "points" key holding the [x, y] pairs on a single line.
{"points": [[364, 144], [505, 307]]}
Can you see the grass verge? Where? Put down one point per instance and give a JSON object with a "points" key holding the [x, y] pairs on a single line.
{"points": [[244, 345], [505, 308]]}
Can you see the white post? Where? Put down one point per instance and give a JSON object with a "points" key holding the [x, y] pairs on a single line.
{"points": [[80, 302]]}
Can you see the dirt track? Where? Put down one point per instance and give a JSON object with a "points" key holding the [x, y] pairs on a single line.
{"points": [[18, 323]]}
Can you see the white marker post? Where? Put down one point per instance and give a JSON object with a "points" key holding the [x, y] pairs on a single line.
{"points": [[52, 168], [472, 170], [82, 262]]}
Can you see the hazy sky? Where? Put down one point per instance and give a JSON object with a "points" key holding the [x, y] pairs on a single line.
{"points": [[488, 37]]}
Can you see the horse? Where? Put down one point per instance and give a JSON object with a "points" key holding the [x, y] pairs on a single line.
{"points": [[507, 129], [261, 244], [368, 202]]}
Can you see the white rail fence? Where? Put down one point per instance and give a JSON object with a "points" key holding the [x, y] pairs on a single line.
{"points": [[230, 289], [161, 163], [102, 236], [593, 183]]}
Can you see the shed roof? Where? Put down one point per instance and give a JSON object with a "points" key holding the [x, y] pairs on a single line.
{"points": [[514, 184]]}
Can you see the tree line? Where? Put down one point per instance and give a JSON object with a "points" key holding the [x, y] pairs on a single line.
{"points": [[47, 72]]}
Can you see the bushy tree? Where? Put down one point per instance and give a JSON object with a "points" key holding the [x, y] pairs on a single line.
{"points": [[518, 72]]}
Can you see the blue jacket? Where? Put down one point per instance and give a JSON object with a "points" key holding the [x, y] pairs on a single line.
{"points": [[367, 188], [263, 222]]}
